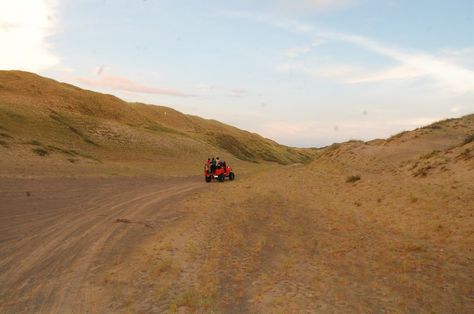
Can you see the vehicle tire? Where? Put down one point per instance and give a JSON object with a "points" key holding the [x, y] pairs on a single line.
{"points": [[208, 178], [231, 176], [221, 178]]}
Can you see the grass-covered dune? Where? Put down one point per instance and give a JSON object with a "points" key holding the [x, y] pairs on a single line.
{"points": [[48, 127]]}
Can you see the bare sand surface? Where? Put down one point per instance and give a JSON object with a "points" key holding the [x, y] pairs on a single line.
{"points": [[299, 239], [56, 233]]}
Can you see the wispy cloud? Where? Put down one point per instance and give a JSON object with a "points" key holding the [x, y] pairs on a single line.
{"points": [[290, 66], [237, 92], [25, 26], [344, 73], [268, 19], [413, 122], [121, 83], [464, 56], [302, 6], [296, 52], [448, 75], [454, 77], [216, 90], [457, 109]]}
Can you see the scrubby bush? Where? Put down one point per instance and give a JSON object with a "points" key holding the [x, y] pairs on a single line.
{"points": [[40, 152], [469, 139], [352, 179], [34, 142], [5, 135]]}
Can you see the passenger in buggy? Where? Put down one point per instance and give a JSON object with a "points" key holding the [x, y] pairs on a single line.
{"points": [[215, 163]]}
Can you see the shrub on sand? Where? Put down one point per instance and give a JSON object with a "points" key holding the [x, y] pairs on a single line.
{"points": [[40, 152], [469, 139], [352, 179]]}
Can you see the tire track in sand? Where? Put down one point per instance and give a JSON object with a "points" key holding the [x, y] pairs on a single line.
{"points": [[45, 271]]}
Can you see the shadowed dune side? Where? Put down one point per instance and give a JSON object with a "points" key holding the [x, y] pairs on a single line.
{"points": [[49, 127]]}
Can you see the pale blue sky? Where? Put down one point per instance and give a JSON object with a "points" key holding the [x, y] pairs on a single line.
{"points": [[305, 72]]}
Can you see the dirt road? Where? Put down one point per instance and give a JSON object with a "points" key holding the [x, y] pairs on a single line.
{"points": [[55, 232]]}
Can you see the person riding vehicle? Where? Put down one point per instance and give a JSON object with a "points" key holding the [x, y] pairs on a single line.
{"points": [[218, 170]]}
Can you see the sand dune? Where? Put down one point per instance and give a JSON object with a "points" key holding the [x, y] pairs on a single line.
{"points": [[51, 128], [378, 226]]}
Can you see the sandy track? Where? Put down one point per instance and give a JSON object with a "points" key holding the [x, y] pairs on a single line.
{"points": [[55, 232]]}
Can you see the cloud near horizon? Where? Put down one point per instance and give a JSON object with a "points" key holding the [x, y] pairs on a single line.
{"points": [[124, 84], [25, 26], [325, 132]]}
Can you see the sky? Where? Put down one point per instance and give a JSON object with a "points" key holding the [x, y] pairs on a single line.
{"points": [[302, 72]]}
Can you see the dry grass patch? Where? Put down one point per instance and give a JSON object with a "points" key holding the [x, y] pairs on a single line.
{"points": [[469, 139], [352, 179], [40, 152]]}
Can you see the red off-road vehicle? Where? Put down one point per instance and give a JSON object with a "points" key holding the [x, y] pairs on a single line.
{"points": [[219, 174]]}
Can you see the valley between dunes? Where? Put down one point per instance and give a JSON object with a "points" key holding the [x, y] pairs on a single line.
{"points": [[384, 226]]}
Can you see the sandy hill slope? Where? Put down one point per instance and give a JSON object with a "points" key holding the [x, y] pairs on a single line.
{"points": [[444, 146], [48, 126], [361, 229]]}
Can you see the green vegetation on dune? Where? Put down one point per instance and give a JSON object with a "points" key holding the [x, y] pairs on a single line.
{"points": [[40, 117]]}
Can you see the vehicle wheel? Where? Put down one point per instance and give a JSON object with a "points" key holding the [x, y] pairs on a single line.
{"points": [[208, 178], [231, 176], [221, 178]]}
